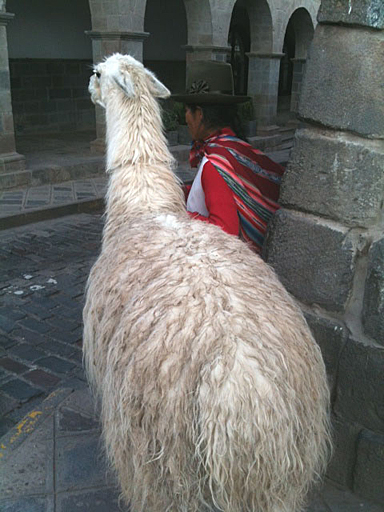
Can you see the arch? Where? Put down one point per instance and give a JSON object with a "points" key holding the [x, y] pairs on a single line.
{"points": [[239, 40], [124, 16], [303, 27], [49, 73], [199, 19], [261, 26], [299, 32], [164, 49]]}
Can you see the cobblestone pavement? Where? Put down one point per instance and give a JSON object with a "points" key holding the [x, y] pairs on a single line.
{"points": [[43, 270]]}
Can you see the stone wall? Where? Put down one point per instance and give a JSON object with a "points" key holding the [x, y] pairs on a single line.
{"points": [[51, 95], [327, 242]]}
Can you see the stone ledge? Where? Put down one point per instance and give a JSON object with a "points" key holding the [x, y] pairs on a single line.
{"points": [[15, 179], [367, 13]]}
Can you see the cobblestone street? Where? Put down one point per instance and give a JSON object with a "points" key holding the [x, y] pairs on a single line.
{"points": [[44, 267]]}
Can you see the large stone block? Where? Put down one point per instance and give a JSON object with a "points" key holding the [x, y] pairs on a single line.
{"points": [[369, 470], [314, 259], [336, 176], [369, 13], [360, 385], [330, 336], [342, 464], [343, 85], [373, 310]]}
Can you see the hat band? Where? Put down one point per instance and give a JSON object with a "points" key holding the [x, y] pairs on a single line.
{"points": [[202, 87]]}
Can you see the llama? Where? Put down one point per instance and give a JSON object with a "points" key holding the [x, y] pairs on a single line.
{"points": [[213, 392]]}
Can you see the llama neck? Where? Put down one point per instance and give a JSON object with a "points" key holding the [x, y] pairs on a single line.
{"points": [[134, 131], [139, 162]]}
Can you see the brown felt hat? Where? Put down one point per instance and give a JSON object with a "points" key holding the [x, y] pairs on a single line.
{"points": [[209, 82]]}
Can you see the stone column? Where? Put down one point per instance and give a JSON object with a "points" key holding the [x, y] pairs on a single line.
{"points": [[298, 72], [106, 43], [327, 242], [208, 52], [263, 86], [10, 161]]}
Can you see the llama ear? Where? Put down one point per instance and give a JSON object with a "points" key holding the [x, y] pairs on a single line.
{"points": [[123, 80], [156, 87]]}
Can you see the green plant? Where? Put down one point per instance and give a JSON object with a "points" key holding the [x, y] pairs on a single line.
{"points": [[245, 111], [170, 120], [179, 110]]}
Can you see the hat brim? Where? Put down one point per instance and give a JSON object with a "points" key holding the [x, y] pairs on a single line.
{"points": [[209, 99]]}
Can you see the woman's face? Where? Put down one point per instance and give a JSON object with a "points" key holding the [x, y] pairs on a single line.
{"points": [[195, 123]]}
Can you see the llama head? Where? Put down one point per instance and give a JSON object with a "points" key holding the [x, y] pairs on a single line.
{"points": [[125, 74]]}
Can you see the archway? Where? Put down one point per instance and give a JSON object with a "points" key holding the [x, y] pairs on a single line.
{"points": [[164, 49], [50, 71], [240, 42], [298, 35], [49, 74]]}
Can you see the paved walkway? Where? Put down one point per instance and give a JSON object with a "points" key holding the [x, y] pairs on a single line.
{"points": [[32, 204]]}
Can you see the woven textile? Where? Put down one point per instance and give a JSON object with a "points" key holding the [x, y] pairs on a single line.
{"points": [[253, 178]]}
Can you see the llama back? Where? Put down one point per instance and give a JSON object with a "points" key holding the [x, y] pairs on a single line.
{"points": [[210, 378]]}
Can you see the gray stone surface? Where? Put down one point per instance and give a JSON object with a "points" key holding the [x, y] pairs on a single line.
{"points": [[29, 470], [314, 259], [339, 500], [79, 463], [341, 466], [373, 311], [330, 336], [335, 175], [28, 504], [369, 470], [344, 77], [369, 13], [360, 385], [94, 500]]}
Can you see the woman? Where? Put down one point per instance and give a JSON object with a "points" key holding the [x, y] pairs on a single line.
{"points": [[236, 187]]}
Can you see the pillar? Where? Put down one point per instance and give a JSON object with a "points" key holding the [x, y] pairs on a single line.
{"points": [[106, 43], [263, 86], [10, 161], [208, 52], [298, 72], [327, 241]]}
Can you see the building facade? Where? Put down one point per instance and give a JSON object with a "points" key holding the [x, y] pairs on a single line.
{"points": [[47, 51]]}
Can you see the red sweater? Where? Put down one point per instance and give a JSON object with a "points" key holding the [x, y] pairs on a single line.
{"points": [[219, 201]]}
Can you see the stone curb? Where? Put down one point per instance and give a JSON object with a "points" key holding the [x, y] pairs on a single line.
{"points": [[51, 212], [10, 441]]}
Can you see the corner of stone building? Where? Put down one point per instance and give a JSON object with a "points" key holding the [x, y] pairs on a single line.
{"points": [[326, 243]]}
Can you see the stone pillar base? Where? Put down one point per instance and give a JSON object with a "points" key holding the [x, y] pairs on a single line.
{"points": [[200, 52], [98, 146], [272, 129], [11, 162], [263, 83]]}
